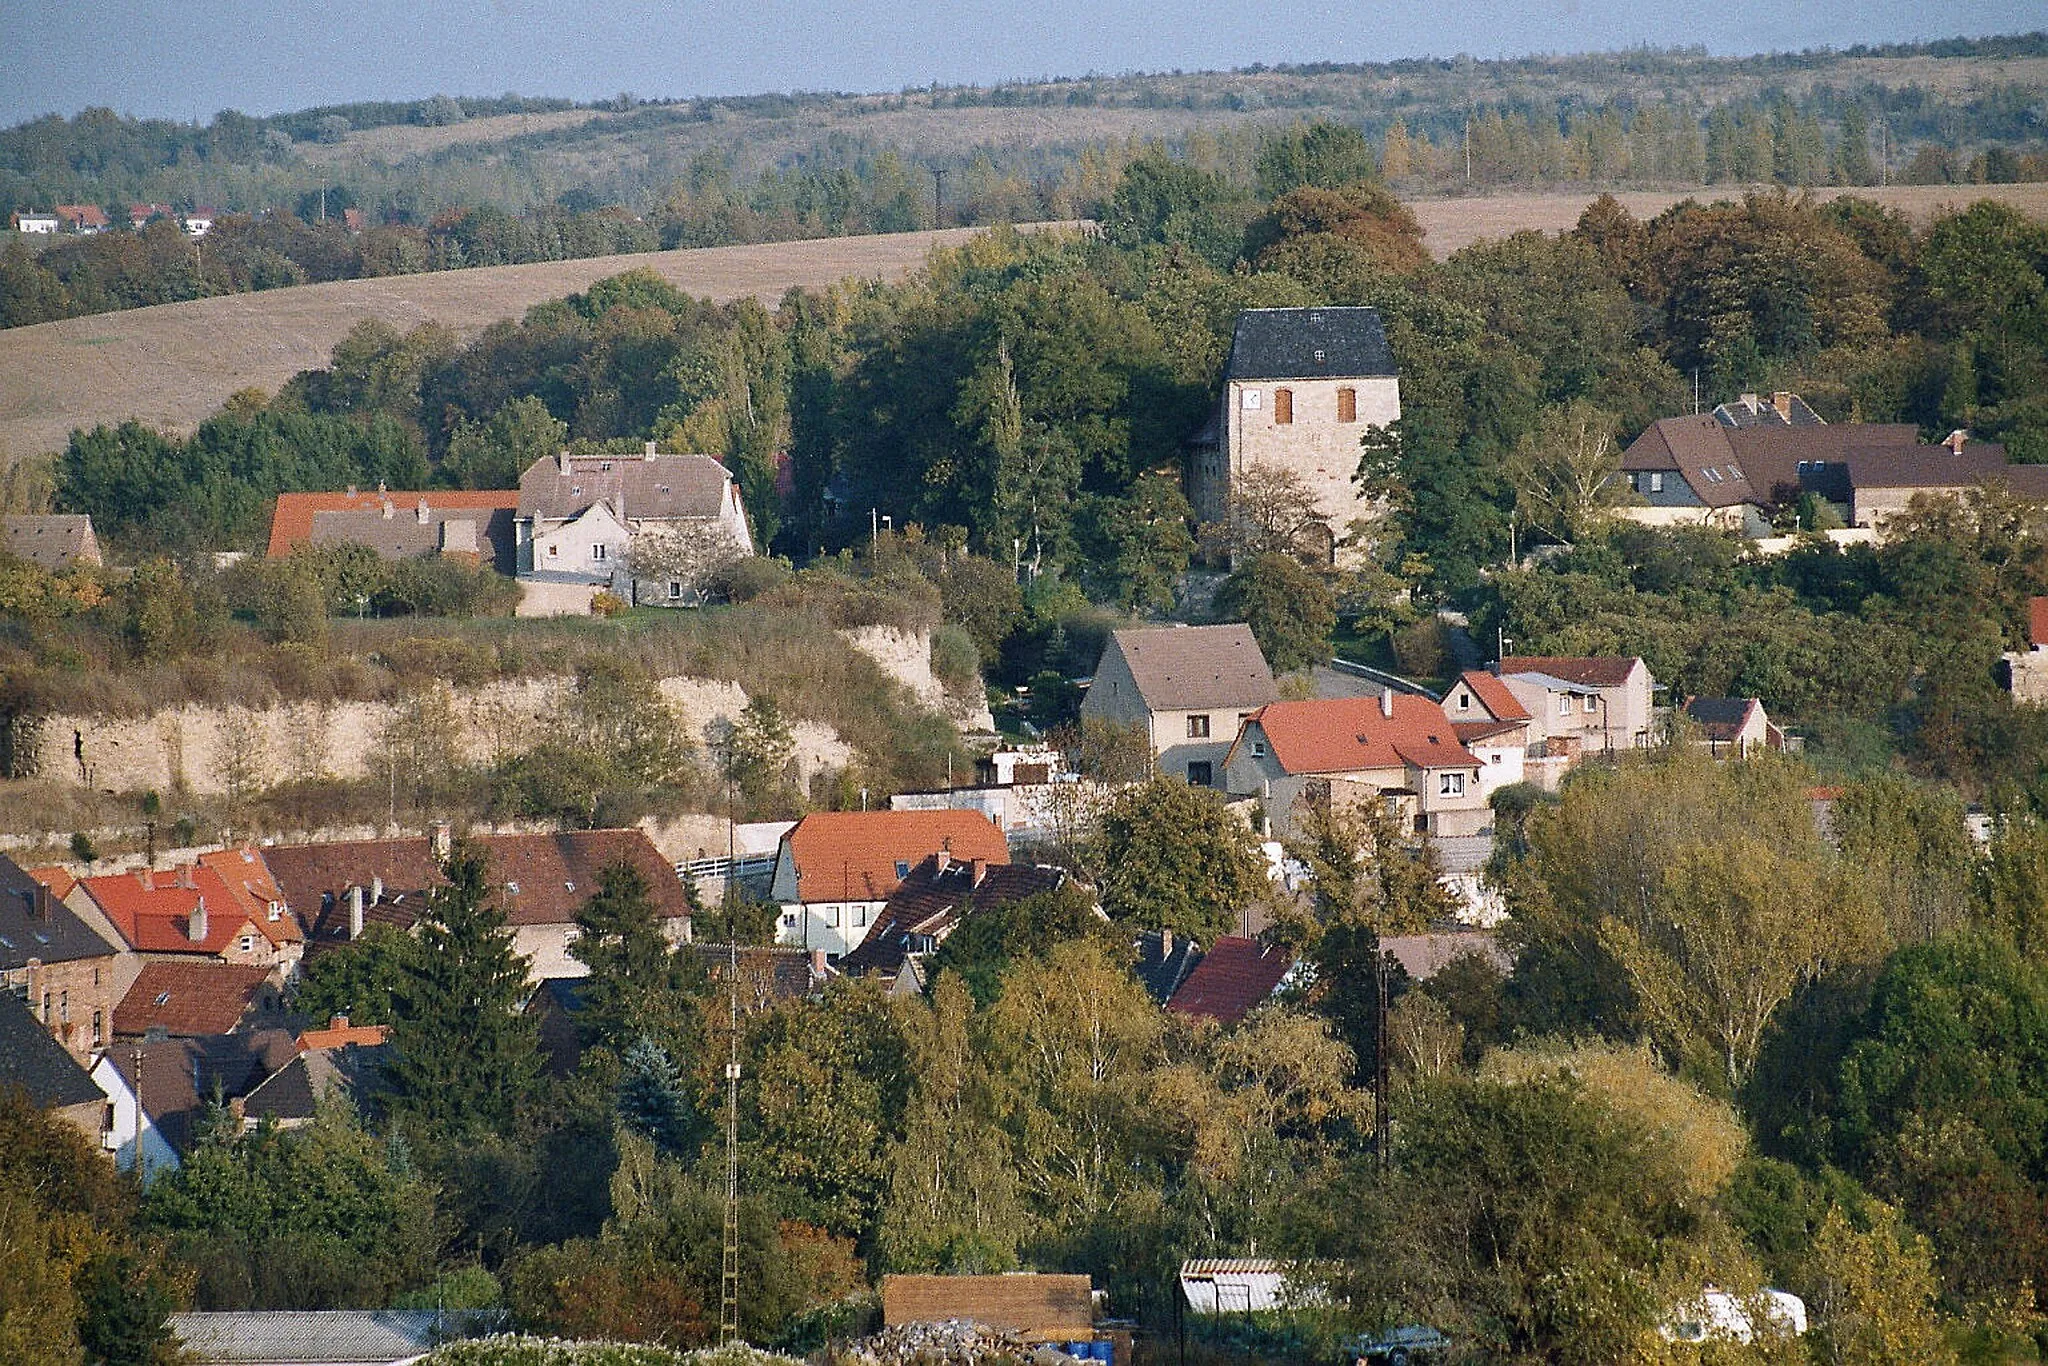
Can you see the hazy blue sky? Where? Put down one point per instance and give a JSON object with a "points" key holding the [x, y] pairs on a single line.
{"points": [[191, 58]]}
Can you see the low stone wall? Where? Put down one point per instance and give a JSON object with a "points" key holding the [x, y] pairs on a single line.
{"points": [[212, 750]]}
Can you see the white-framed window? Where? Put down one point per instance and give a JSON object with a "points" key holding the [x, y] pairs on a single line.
{"points": [[1591, 703], [600, 552], [675, 589], [789, 919], [1198, 726], [1258, 749], [569, 938], [248, 943], [1564, 704], [1450, 785], [1252, 400], [832, 917], [1656, 481], [1464, 701]]}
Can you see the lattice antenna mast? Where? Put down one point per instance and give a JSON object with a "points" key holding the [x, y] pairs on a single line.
{"points": [[729, 1281]]}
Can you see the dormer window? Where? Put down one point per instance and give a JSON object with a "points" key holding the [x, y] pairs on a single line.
{"points": [[575, 489]]}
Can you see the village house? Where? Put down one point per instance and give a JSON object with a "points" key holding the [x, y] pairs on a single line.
{"points": [[475, 525], [579, 515], [836, 870], [1300, 387], [141, 216], [540, 882], [1579, 706], [341, 1060], [1396, 750], [51, 541], [1188, 687], [156, 1090], [1491, 722], [83, 219], [2027, 670], [200, 222], [929, 904], [196, 998], [1233, 979], [59, 965], [46, 1071], [178, 913], [35, 224], [1733, 727]]}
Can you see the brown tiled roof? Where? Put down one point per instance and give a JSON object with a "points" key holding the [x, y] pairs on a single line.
{"points": [[1599, 671], [194, 998], [640, 486], [1188, 668], [1035, 1306], [339, 1033], [863, 855], [932, 900], [359, 519], [535, 879], [1491, 694], [1354, 734], [1473, 732], [2037, 621], [1422, 956], [51, 540], [1725, 466], [1925, 467], [1720, 718], [769, 973], [180, 1077], [1231, 980]]}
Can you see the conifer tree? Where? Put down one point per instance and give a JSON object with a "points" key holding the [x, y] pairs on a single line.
{"points": [[464, 1053], [636, 976]]}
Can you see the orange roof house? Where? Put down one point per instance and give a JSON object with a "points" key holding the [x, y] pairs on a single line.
{"points": [[186, 910], [195, 997], [401, 525], [248, 880], [836, 869]]}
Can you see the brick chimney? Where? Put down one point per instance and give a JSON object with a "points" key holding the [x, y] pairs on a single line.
{"points": [[1782, 401], [195, 924], [1955, 441], [818, 969], [337, 1022], [977, 869], [40, 903]]}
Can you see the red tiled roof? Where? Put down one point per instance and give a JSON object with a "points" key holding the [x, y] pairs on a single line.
{"points": [[291, 525], [856, 855], [152, 911], [535, 879], [1586, 671], [1232, 979], [193, 998], [341, 1034], [84, 215], [1491, 694], [2037, 625], [57, 879], [255, 891], [1353, 734]]}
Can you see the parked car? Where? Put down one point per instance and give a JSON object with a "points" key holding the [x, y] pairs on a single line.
{"points": [[1410, 1345]]}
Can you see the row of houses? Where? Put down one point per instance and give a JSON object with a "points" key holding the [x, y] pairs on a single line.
{"points": [[85, 220]]}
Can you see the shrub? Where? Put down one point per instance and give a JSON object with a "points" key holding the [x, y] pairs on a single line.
{"points": [[955, 660], [82, 847]]}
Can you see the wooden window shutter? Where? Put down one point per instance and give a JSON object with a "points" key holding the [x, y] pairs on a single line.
{"points": [[1283, 405], [1347, 405]]}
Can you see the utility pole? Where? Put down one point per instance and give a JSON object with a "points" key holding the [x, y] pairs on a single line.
{"points": [[729, 1277], [938, 196], [141, 1151], [1382, 1119], [1468, 146]]}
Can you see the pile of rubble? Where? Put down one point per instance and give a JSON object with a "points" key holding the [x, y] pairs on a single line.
{"points": [[951, 1343]]}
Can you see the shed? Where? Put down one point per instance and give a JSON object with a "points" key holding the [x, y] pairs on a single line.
{"points": [[1040, 1308]]}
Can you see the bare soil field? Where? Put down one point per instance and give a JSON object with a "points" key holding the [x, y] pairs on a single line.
{"points": [[174, 364], [1451, 224]]}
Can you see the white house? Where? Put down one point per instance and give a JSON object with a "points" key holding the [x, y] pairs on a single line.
{"points": [[40, 224], [131, 1134], [580, 517], [836, 870]]}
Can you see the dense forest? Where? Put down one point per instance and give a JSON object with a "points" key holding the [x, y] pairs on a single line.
{"points": [[634, 175]]}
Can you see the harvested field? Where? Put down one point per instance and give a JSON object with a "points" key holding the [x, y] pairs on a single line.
{"points": [[174, 364], [1451, 224]]}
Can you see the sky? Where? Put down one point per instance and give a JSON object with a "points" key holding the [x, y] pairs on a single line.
{"points": [[189, 59]]}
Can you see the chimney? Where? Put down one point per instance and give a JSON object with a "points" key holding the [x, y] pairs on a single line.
{"points": [[420, 512], [650, 448], [1165, 944], [1955, 441], [1387, 704], [382, 488], [562, 463], [443, 843], [195, 925], [185, 877], [337, 1022], [376, 890], [1782, 401], [41, 902], [351, 490], [385, 508], [977, 869], [942, 860], [817, 965], [355, 914]]}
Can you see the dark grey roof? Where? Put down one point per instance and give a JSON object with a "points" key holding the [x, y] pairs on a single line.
{"points": [[931, 901], [489, 533], [37, 1063], [180, 1077], [1183, 668], [51, 540], [1307, 343], [1761, 410], [35, 924], [1164, 963], [292, 1092], [644, 486], [289, 1337]]}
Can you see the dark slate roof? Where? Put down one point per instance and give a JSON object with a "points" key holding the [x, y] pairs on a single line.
{"points": [[1925, 467], [1761, 410], [1764, 464], [768, 973], [932, 900], [1591, 671], [45, 929], [292, 1092], [37, 1063], [1164, 961], [181, 1076], [1231, 980], [1309, 343]]}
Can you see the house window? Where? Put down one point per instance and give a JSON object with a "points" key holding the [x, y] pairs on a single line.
{"points": [[604, 464], [600, 552], [1319, 357], [832, 917], [64, 1006], [675, 589], [99, 1028], [1258, 749], [248, 943], [569, 938], [1201, 774], [902, 868], [1656, 481], [1347, 405], [1283, 406], [1464, 701], [1450, 785], [1591, 703], [1564, 704], [276, 909], [1198, 727], [1251, 400], [1493, 758], [553, 551], [789, 920]]}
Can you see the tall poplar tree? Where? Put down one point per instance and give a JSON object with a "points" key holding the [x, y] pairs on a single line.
{"points": [[464, 1053]]}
